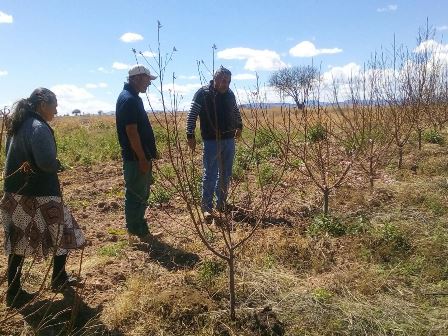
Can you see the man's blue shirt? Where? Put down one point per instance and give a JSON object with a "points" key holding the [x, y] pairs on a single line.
{"points": [[130, 110]]}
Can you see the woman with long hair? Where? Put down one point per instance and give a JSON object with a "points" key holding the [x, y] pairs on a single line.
{"points": [[36, 221]]}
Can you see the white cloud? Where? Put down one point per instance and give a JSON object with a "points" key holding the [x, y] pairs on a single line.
{"points": [[147, 53], [120, 66], [342, 73], [442, 28], [131, 37], [439, 51], [255, 59], [72, 97], [3, 73], [244, 76], [389, 8], [183, 89], [95, 86], [431, 46], [5, 18], [103, 70], [307, 49], [188, 77]]}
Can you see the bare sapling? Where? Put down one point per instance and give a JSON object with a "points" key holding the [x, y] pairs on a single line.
{"points": [[308, 135], [362, 121], [399, 113], [248, 201], [420, 73]]}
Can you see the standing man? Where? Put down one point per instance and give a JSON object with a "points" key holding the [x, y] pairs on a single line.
{"points": [[220, 121], [138, 148]]}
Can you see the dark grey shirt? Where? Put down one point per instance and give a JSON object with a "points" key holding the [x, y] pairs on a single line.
{"points": [[34, 143]]}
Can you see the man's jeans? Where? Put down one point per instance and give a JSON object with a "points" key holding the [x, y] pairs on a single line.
{"points": [[136, 198], [217, 161]]}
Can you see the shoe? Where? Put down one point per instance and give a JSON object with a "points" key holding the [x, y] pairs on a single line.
{"points": [[156, 234], [150, 237], [18, 299], [63, 281], [208, 217]]}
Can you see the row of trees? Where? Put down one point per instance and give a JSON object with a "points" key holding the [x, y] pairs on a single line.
{"points": [[371, 118]]}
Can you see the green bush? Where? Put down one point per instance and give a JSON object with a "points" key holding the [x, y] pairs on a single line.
{"points": [[316, 133], [390, 242], [209, 270], [263, 138], [159, 195], [326, 224], [266, 174], [112, 250], [433, 136]]}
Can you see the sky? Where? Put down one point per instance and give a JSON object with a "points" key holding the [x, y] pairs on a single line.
{"points": [[82, 49]]}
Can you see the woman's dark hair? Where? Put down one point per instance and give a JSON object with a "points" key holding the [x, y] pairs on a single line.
{"points": [[22, 108]]}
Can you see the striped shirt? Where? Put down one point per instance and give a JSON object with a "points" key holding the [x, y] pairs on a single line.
{"points": [[218, 114]]}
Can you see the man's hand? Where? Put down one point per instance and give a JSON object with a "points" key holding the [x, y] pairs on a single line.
{"points": [[191, 143], [238, 133], [144, 166]]}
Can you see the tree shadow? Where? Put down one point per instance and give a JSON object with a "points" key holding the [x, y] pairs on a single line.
{"points": [[244, 216], [67, 316], [171, 258]]}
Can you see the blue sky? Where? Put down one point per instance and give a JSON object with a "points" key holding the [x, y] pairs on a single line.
{"points": [[81, 49]]}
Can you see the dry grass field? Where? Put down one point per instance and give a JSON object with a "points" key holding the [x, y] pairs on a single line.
{"points": [[377, 265]]}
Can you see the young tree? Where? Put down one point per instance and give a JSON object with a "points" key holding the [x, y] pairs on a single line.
{"points": [[310, 141], [248, 200], [420, 72], [364, 121], [399, 114]]}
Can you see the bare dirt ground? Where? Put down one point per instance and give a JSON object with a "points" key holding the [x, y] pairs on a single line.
{"points": [[94, 194], [152, 290]]}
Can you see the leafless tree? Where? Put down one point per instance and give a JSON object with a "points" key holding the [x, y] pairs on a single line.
{"points": [[248, 200], [310, 141], [399, 113], [363, 121], [420, 73], [439, 102]]}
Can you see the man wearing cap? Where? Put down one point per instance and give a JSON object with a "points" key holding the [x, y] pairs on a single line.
{"points": [[220, 123], [138, 148]]}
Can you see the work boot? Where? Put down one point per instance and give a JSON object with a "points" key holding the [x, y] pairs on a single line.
{"points": [[63, 280], [208, 217], [150, 237], [60, 279]]}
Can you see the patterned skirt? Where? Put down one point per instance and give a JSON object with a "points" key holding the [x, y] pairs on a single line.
{"points": [[38, 226]]}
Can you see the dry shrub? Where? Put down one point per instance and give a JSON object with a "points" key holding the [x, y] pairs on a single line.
{"points": [[150, 306]]}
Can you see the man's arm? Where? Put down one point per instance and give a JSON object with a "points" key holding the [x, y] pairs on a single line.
{"points": [[134, 139], [191, 121], [237, 118]]}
